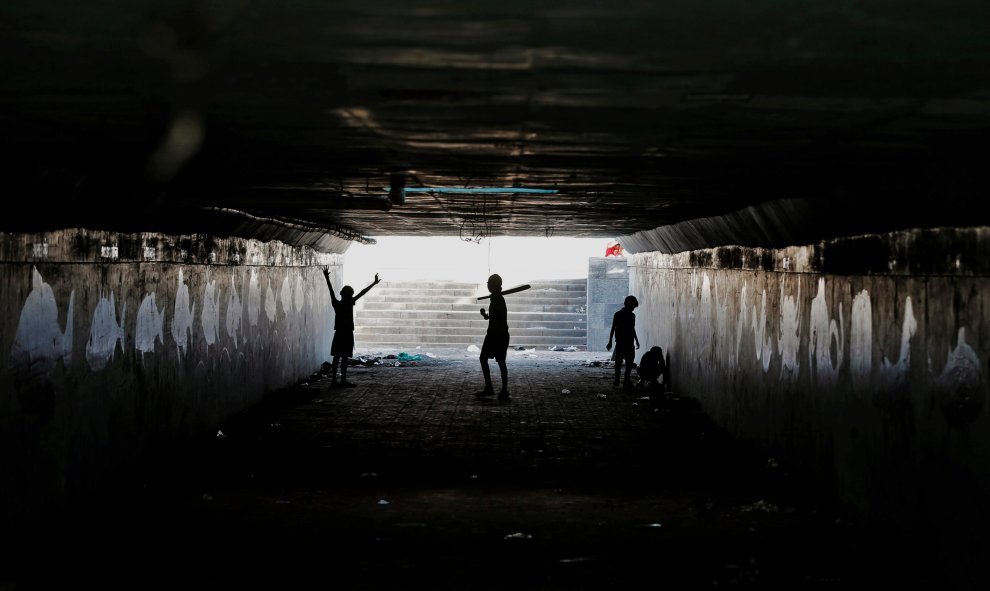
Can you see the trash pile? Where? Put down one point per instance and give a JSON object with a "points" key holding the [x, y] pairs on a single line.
{"points": [[569, 348], [598, 363], [394, 360]]}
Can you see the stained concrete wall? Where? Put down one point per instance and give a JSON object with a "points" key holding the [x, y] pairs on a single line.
{"points": [[860, 362], [608, 286], [113, 344]]}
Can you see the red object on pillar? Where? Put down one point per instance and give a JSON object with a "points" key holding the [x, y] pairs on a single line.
{"points": [[614, 249]]}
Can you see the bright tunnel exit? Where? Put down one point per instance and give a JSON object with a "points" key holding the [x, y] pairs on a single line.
{"points": [[517, 259], [430, 290]]}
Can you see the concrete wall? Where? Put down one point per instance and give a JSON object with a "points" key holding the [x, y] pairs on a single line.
{"points": [[608, 286], [113, 344], [861, 362]]}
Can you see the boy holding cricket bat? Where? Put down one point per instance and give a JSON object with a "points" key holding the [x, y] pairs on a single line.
{"points": [[496, 340]]}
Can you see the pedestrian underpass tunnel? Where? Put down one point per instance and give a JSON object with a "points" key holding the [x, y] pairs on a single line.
{"points": [[795, 194]]}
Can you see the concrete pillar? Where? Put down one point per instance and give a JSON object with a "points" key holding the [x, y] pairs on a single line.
{"points": [[608, 286]]}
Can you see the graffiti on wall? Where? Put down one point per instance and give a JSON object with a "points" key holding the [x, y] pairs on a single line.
{"points": [[234, 312], [827, 342], [210, 318], [861, 340], [39, 342], [182, 315], [105, 332], [285, 296], [300, 294], [763, 342], [270, 303], [253, 299], [817, 331], [959, 388], [705, 314], [149, 325], [789, 340], [894, 375]]}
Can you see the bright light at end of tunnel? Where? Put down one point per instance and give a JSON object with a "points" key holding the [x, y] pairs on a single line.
{"points": [[518, 259]]}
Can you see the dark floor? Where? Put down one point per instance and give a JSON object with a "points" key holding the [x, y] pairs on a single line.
{"points": [[409, 481]]}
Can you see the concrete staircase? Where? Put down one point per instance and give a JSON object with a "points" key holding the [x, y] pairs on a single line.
{"points": [[442, 314]]}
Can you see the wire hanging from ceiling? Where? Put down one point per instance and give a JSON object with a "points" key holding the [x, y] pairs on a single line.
{"points": [[480, 216]]}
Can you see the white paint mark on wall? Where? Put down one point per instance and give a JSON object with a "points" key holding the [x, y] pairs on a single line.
{"points": [[898, 371], [695, 283], [285, 296], [762, 341], [210, 318], [741, 320], [254, 299], [962, 365], [861, 340], [299, 293], [182, 315], [790, 332], [960, 392], [826, 336], [235, 311], [149, 325], [722, 337], [105, 332], [39, 342], [270, 302], [704, 326]]}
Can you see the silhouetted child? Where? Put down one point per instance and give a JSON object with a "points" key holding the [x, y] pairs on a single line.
{"points": [[651, 368], [496, 339], [342, 347], [624, 331]]}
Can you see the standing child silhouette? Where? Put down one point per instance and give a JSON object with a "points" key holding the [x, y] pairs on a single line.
{"points": [[624, 331], [496, 339], [342, 347]]}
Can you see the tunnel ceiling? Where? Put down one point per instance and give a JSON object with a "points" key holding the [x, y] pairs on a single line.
{"points": [[638, 114]]}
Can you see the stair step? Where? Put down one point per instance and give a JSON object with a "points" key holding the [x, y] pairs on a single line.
{"points": [[414, 340], [526, 297], [405, 314], [425, 292], [468, 307], [476, 322], [468, 315], [461, 331]]}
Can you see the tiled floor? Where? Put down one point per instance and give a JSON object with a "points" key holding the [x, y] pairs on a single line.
{"points": [[409, 481]]}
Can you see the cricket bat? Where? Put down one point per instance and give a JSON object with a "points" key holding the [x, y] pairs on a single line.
{"points": [[515, 289]]}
